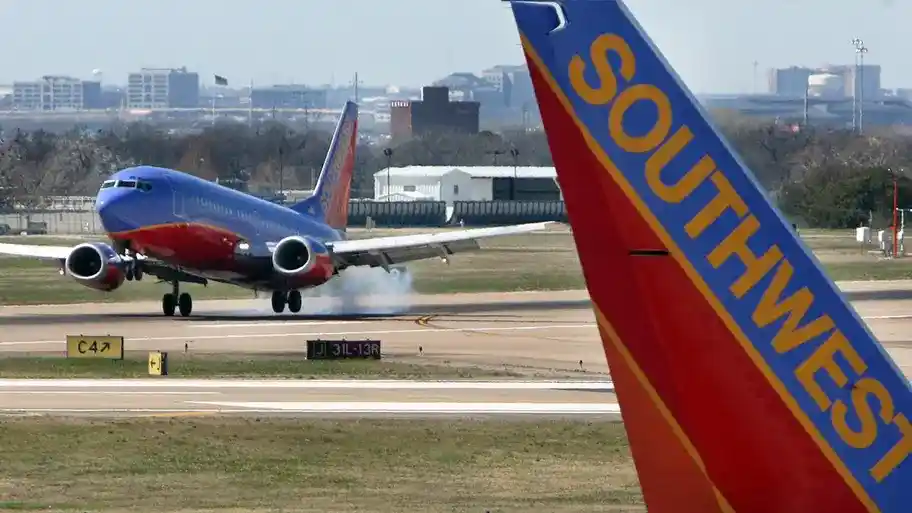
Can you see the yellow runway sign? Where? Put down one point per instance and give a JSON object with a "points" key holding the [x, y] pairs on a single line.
{"points": [[89, 346]]}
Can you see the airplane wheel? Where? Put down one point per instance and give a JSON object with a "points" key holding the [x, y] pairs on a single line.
{"points": [[168, 305], [295, 301], [129, 273], [138, 273], [278, 302], [185, 304]]}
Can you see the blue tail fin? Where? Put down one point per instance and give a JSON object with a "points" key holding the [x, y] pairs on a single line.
{"points": [[746, 380], [329, 202]]}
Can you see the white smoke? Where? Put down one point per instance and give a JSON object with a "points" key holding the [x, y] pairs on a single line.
{"points": [[361, 291]]}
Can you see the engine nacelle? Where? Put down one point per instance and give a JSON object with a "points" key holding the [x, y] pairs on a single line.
{"points": [[96, 265], [302, 261]]}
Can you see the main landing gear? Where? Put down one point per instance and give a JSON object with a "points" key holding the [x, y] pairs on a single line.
{"points": [[183, 302], [291, 298]]}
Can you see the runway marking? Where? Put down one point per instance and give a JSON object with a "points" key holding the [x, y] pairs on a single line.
{"points": [[96, 384], [422, 407], [324, 334], [271, 324], [886, 317], [381, 408], [104, 392]]}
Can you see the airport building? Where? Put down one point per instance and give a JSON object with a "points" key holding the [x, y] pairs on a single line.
{"points": [[433, 113], [56, 93], [153, 88], [466, 183]]}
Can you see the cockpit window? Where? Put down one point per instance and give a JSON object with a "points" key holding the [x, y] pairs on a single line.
{"points": [[144, 186], [108, 184], [129, 184]]}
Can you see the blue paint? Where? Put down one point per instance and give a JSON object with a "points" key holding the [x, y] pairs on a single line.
{"points": [[556, 50]]}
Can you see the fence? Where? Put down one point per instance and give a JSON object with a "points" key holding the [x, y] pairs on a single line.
{"points": [[386, 214], [488, 213], [58, 222]]}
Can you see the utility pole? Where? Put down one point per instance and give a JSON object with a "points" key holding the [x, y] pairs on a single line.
{"points": [[389, 167], [862, 50], [250, 105], [895, 213]]}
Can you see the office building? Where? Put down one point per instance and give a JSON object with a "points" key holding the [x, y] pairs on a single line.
{"points": [[434, 113], [56, 93], [163, 88]]}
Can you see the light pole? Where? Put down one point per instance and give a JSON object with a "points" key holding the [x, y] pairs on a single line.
{"points": [[389, 164], [855, 42], [515, 154], [862, 50]]}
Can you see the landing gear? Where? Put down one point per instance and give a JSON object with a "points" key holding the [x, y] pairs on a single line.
{"points": [[182, 302], [295, 301], [185, 304], [169, 303], [278, 301]]}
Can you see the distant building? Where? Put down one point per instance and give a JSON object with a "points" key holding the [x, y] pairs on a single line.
{"points": [[288, 97], [433, 113], [466, 183], [154, 88], [791, 81], [53, 93]]}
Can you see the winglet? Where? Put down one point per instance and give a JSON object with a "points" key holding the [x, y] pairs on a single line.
{"points": [[747, 383], [329, 202]]}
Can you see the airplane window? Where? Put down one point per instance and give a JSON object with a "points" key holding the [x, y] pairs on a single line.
{"points": [[129, 184], [108, 184]]}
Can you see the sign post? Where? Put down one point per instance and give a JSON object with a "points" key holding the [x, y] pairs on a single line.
{"points": [[93, 346]]}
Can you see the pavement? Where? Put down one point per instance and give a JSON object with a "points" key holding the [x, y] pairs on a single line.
{"points": [[549, 334]]}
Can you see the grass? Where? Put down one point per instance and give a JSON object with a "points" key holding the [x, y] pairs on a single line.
{"points": [[541, 261], [247, 464], [291, 366]]}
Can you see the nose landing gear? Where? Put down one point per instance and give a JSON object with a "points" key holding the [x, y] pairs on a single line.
{"points": [[181, 301]]}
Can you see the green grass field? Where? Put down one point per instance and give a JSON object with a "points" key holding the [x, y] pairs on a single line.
{"points": [[290, 366], [262, 464], [542, 261]]}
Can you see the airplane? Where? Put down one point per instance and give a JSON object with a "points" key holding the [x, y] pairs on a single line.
{"points": [[746, 381], [184, 229]]}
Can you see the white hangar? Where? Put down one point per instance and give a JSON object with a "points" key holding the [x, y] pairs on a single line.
{"points": [[466, 183]]}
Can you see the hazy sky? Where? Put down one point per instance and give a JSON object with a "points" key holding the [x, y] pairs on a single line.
{"points": [[712, 43]]}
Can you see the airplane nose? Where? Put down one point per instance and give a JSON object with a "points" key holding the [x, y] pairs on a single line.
{"points": [[110, 207]]}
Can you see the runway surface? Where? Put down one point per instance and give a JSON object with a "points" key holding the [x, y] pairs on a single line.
{"points": [[538, 333], [329, 397]]}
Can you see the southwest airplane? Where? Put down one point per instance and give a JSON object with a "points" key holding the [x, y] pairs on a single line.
{"points": [[747, 383], [180, 228]]}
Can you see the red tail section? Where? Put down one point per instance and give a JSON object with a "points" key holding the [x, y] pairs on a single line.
{"points": [[720, 328], [329, 202]]}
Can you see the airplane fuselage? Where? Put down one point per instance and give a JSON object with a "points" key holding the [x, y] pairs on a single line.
{"points": [[200, 226]]}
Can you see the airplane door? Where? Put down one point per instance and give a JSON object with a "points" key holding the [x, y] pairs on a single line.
{"points": [[179, 208]]}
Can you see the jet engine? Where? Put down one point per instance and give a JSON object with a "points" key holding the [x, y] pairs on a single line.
{"points": [[302, 261], [95, 265]]}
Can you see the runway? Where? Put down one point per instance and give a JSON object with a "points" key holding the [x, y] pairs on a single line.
{"points": [[541, 334], [179, 397], [536, 332]]}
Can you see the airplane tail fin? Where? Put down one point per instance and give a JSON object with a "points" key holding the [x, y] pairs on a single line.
{"points": [[329, 201], [746, 381]]}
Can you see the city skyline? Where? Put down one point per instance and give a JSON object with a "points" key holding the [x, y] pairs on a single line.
{"points": [[417, 42]]}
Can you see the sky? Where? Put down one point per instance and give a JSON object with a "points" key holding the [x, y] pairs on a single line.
{"points": [[713, 44]]}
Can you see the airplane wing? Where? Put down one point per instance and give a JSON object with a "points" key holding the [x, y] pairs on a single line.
{"points": [[59, 254], [385, 251], [36, 251]]}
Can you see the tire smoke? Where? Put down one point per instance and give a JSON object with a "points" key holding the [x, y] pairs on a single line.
{"points": [[361, 291]]}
